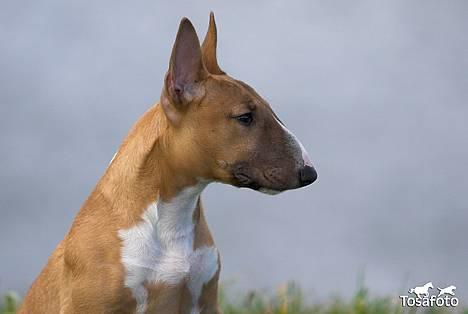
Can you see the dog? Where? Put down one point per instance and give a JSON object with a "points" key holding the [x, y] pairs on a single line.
{"points": [[449, 290], [423, 290], [140, 243]]}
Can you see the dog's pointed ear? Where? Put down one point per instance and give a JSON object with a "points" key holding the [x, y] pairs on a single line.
{"points": [[209, 48], [182, 83]]}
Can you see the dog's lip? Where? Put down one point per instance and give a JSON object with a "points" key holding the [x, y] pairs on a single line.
{"points": [[254, 185], [242, 178]]}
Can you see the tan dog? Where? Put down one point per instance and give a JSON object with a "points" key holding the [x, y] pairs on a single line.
{"points": [[140, 243]]}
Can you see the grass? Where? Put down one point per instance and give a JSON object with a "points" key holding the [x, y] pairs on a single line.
{"points": [[9, 304], [290, 300]]}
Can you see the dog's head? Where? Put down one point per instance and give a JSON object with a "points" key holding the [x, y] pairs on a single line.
{"points": [[225, 130]]}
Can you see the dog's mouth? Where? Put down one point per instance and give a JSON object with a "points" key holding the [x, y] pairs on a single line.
{"points": [[268, 180], [243, 180]]}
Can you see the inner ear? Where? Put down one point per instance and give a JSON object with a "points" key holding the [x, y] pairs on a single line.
{"points": [[209, 48], [186, 66]]}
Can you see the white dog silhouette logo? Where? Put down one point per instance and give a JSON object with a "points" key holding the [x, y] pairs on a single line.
{"points": [[420, 297], [448, 290], [423, 290]]}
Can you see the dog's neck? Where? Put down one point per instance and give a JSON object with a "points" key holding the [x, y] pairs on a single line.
{"points": [[176, 217], [142, 170]]}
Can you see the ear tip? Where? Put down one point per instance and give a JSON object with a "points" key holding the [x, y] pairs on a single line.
{"points": [[212, 23], [186, 28], [185, 22], [212, 17]]}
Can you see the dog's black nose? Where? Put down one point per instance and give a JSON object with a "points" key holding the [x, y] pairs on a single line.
{"points": [[307, 175]]}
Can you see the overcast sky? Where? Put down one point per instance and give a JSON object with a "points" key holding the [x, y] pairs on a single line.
{"points": [[376, 90]]}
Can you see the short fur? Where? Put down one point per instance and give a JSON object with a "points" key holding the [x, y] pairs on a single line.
{"points": [[140, 243]]}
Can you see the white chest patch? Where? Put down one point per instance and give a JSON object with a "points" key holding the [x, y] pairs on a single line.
{"points": [[160, 249]]}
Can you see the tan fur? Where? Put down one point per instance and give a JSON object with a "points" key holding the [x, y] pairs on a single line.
{"points": [[84, 274], [190, 135]]}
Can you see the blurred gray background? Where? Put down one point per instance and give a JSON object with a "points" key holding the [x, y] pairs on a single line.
{"points": [[376, 91]]}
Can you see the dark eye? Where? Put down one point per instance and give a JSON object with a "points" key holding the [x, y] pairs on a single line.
{"points": [[245, 119]]}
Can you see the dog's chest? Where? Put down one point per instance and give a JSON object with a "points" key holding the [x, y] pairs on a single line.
{"points": [[159, 250]]}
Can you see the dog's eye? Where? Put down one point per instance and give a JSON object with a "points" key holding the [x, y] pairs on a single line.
{"points": [[245, 119]]}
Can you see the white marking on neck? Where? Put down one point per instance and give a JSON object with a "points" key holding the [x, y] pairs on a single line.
{"points": [[159, 249]]}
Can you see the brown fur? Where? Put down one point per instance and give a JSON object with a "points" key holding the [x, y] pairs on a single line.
{"points": [[191, 134]]}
